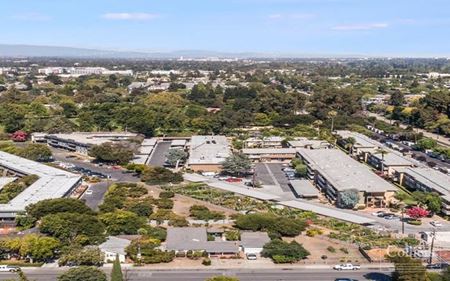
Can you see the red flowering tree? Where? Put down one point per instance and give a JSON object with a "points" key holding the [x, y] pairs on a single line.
{"points": [[417, 213], [19, 136]]}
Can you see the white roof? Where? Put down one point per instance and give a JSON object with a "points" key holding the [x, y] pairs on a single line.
{"points": [[208, 150], [179, 142], [52, 182], [5, 180], [149, 142], [343, 172], [303, 143], [269, 151], [94, 138]]}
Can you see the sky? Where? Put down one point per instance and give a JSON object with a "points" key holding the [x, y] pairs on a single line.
{"points": [[306, 27]]}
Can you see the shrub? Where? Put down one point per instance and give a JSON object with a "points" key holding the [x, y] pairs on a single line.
{"points": [[164, 203], [414, 222], [166, 194], [344, 250], [331, 249], [283, 252], [206, 262]]}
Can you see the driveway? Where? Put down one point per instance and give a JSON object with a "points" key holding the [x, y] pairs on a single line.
{"points": [[158, 156], [96, 198]]}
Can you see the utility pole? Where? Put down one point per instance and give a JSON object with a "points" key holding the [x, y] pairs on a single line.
{"points": [[432, 246], [403, 220]]}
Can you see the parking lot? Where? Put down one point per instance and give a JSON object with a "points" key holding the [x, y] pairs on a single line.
{"points": [[272, 174], [94, 195], [158, 156]]}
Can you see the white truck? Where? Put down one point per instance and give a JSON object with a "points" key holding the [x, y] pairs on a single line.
{"points": [[346, 266]]}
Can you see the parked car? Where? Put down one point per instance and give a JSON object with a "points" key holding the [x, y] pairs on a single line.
{"points": [[441, 265], [436, 224], [233, 180], [88, 192], [9, 268], [377, 214], [390, 217], [251, 257], [346, 266]]}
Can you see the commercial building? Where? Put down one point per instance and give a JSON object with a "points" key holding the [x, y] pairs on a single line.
{"points": [[51, 183], [82, 142], [427, 180], [303, 189], [270, 154], [79, 71], [206, 153], [184, 239], [333, 172]]}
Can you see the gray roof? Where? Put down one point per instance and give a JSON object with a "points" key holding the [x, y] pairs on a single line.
{"points": [[304, 143], [93, 138], [254, 239], [304, 188], [208, 150], [433, 179], [394, 159], [115, 245], [195, 238], [52, 182], [361, 140], [344, 172]]}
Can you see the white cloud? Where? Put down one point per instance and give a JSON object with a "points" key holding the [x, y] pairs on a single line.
{"points": [[291, 16], [365, 26], [31, 17], [129, 16]]}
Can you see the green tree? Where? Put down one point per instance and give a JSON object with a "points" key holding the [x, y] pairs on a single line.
{"points": [[38, 248], [175, 155], [160, 175], [59, 205], [70, 227], [122, 222], [408, 269], [348, 199], [426, 143], [78, 255], [83, 273], [116, 273], [283, 252], [237, 164], [119, 153], [301, 170], [36, 152]]}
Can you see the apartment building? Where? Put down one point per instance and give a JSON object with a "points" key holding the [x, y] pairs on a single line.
{"points": [[270, 154], [333, 172], [427, 180], [206, 153]]}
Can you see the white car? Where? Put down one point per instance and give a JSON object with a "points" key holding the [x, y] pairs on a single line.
{"points": [[251, 257], [346, 266], [88, 192], [436, 224], [9, 268]]}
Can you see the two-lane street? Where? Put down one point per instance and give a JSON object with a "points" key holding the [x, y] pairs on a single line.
{"points": [[141, 274]]}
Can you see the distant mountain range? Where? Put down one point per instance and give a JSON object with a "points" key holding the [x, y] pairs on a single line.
{"points": [[21, 51], [7, 50]]}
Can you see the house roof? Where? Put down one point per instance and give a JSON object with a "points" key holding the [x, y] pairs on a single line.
{"points": [[208, 150], [115, 245], [195, 238], [254, 239]]}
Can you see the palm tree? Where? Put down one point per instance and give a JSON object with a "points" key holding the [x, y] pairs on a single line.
{"points": [[317, 125], [332, 114]]}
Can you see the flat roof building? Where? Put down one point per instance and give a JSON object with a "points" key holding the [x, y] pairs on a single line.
{"points": [[207, 153], [308, 143], [270, 154], [427, 180], [333, 172], [81, 142], [51, 183]]}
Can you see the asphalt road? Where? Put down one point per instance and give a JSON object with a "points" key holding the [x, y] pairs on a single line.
{"points": [[141, 274], [96, 198], [158, 156]]}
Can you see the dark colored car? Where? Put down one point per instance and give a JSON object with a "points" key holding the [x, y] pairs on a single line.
{"points": [[437, 266]]}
